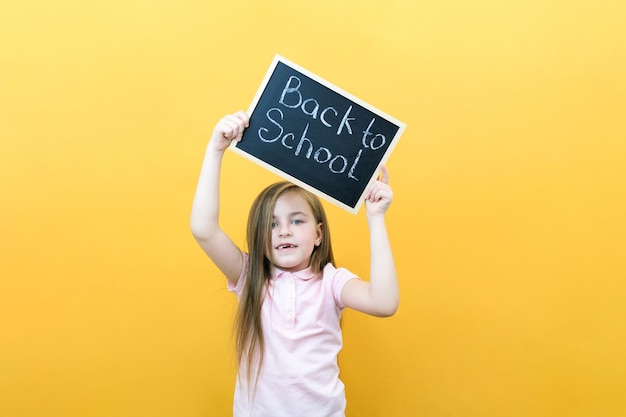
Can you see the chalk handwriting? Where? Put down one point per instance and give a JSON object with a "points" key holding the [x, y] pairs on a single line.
{"points": [[337, 164], [292, 98]]}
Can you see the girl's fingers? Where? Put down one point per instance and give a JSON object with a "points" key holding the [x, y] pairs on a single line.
{"points": [[243, 116], [378, 191], [234, 125], [229, 129], [380, 194], [385, 174]]}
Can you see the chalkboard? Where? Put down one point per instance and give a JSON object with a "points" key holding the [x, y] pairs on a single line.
{"points": [[316, 135]]}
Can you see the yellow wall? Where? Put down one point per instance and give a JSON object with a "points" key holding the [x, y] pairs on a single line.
{"points": [[508, 223]]}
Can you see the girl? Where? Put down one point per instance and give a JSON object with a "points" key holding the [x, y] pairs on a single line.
{"points": [[290, 294]]}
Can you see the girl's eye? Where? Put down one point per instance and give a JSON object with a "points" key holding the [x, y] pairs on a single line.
{"points": [[297, 221], [274, 225]]}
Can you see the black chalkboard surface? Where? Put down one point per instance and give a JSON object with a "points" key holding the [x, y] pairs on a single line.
{"points": [[316, 135]]}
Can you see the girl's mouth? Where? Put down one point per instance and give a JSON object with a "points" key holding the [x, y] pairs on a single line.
{"points": [[286, 246]]}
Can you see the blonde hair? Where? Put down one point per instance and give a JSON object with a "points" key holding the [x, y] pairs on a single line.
{"points": [[248, 329]]}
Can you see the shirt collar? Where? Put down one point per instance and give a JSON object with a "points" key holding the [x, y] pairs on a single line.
{"points": [[304, 274]]}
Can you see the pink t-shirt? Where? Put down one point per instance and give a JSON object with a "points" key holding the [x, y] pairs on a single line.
{"points": [[300, 318]]}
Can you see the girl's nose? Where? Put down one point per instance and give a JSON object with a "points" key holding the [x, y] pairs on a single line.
{"points": [[284, 231]]}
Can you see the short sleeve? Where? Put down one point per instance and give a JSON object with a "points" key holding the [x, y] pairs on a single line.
{"points": [[337, 279], [244, 272]]}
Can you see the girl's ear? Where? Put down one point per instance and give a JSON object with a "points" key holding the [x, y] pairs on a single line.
{"points": [[318, 238]]}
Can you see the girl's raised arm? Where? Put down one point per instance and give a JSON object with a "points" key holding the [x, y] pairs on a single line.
{"points": [[380, 296], [205, 211]]}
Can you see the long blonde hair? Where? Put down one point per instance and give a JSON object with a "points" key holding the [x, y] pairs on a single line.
{"points": [[248, 329]]}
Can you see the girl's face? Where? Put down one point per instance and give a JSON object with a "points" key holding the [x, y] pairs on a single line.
{"points": [[295, 233]]}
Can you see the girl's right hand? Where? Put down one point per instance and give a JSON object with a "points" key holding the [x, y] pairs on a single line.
{"points": [[229, 128]]}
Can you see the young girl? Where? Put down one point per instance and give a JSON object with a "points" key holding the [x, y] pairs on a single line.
{"points": [[290, 294]]}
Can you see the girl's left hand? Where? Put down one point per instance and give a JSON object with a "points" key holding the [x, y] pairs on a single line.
{"points": [[379, 196]]}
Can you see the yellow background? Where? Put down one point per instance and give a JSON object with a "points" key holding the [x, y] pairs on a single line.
{"points": [[508, 223]]}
